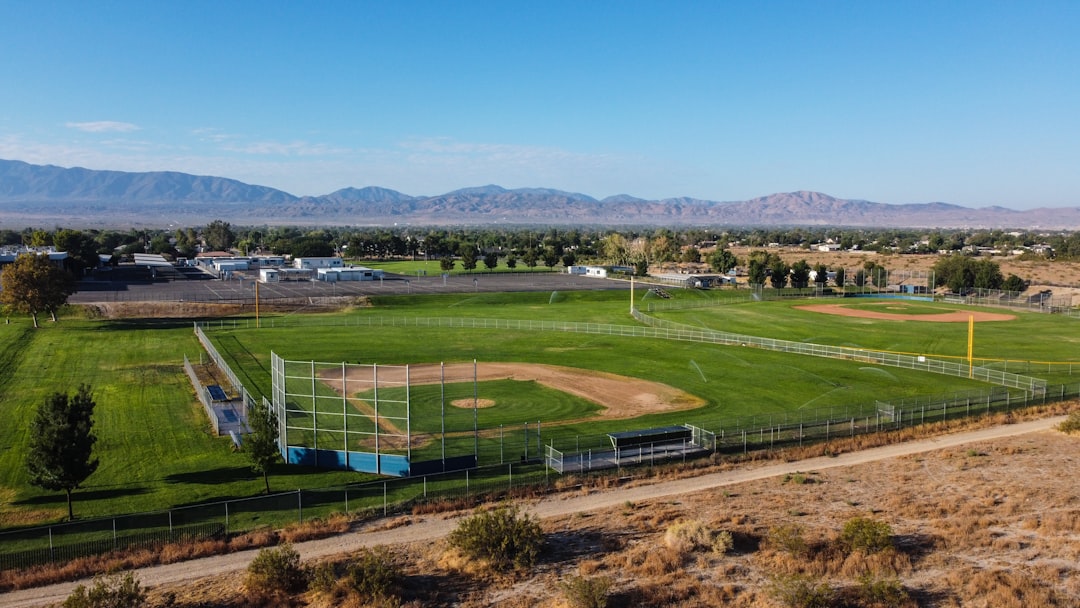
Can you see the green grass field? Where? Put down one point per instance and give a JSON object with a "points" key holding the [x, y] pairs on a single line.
{"points": [[1000, 344], [156, 449], [733, 381]]}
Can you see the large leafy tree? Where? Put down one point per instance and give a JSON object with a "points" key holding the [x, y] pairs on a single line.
{"points": [[800, 274], [219, 235], [62, 442], [778, 273], [261, 444], [723, 260], [32, 284]]}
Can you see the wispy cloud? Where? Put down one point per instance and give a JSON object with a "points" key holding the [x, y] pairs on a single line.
{"points": [[103, 126], [278, 148]]}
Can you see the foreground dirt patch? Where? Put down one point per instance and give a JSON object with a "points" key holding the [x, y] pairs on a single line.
{"points": [[619, 396], [959, 316]]}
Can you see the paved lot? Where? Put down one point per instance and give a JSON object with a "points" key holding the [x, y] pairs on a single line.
{"points": [[192, 285]]}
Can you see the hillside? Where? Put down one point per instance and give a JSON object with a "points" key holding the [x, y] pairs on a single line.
{"points": [[76, 197], [979, 519]]}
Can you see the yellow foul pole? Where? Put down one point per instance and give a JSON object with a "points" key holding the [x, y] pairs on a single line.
{"points": [[971, 345], [631, 294]]}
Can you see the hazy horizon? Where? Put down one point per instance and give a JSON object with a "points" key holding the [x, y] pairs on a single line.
{"points": [[966, 103]]}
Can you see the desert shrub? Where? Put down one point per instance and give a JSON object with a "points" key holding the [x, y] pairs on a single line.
{"points": [[693, 534], [789, 538], [865, 534], [801, 592], [373, 575], [109, 592], [1071, 424], [585, 592], [322, 578], [883, 593], [502, 537], [276, 571]]}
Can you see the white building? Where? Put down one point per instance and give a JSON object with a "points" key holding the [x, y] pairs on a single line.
{"points": [[349, 273], [316, 263]]}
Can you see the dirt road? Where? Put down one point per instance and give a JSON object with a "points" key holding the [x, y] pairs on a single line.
{"points": [[433, 527]]}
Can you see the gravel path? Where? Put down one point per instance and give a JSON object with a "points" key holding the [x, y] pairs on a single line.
{"points": [[433, 527]]}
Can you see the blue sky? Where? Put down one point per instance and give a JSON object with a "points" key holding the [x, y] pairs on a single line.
{"points": [[972, 103]]}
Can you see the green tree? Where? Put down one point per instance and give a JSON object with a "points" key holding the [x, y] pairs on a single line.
{"points": [[511, 260], [840, 277], [692, 255], [33, 284], [723, 261], [778, 275], [311, 247], [491, 260], [446, 263], [62, 442], [261, 444], [821, 276], [531, 257], [550, 257], [800, 274], [468, 256], [81, 249], [1014, 283], [569, 259], [756, 272], [218, 235]]}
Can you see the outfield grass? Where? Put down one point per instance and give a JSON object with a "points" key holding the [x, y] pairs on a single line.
{"points": [[1030, 337]]}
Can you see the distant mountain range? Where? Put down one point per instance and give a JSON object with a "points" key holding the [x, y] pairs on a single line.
{"points": [[44, 194]]}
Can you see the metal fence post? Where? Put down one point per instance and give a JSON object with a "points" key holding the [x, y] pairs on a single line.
{"points": [[299, 506]]}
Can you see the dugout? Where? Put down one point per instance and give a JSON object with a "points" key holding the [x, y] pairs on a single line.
{"points": [[659, 436]]}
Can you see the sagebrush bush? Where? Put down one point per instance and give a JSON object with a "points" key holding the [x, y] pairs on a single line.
{"points": [[276, 571], [322, 578], [586, 592], [885, 593], [109, 592], [801, 592], [502, 538], [789, 538], [693, 535], [373, 575], [865, 534], [1071, 424]]}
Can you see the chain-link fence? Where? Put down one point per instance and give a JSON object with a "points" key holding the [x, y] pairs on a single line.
{"points": [[67, 541]]}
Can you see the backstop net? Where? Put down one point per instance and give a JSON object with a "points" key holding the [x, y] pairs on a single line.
{"points": [[383, 419]]}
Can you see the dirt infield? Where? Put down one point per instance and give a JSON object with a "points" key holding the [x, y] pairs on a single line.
{"points": [[959, 316], [619, 396]]}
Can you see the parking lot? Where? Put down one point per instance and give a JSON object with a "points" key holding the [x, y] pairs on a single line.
{"points": [[194, 285]]}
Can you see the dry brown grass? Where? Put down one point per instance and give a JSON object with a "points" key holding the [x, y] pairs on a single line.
{"points": [[987, 525]]}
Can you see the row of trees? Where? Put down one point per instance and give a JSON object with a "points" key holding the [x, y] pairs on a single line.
{"points": [[624, 246]]}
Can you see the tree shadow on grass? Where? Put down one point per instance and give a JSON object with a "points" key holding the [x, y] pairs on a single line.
{"points": [[222, 475], [60, 499]]}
